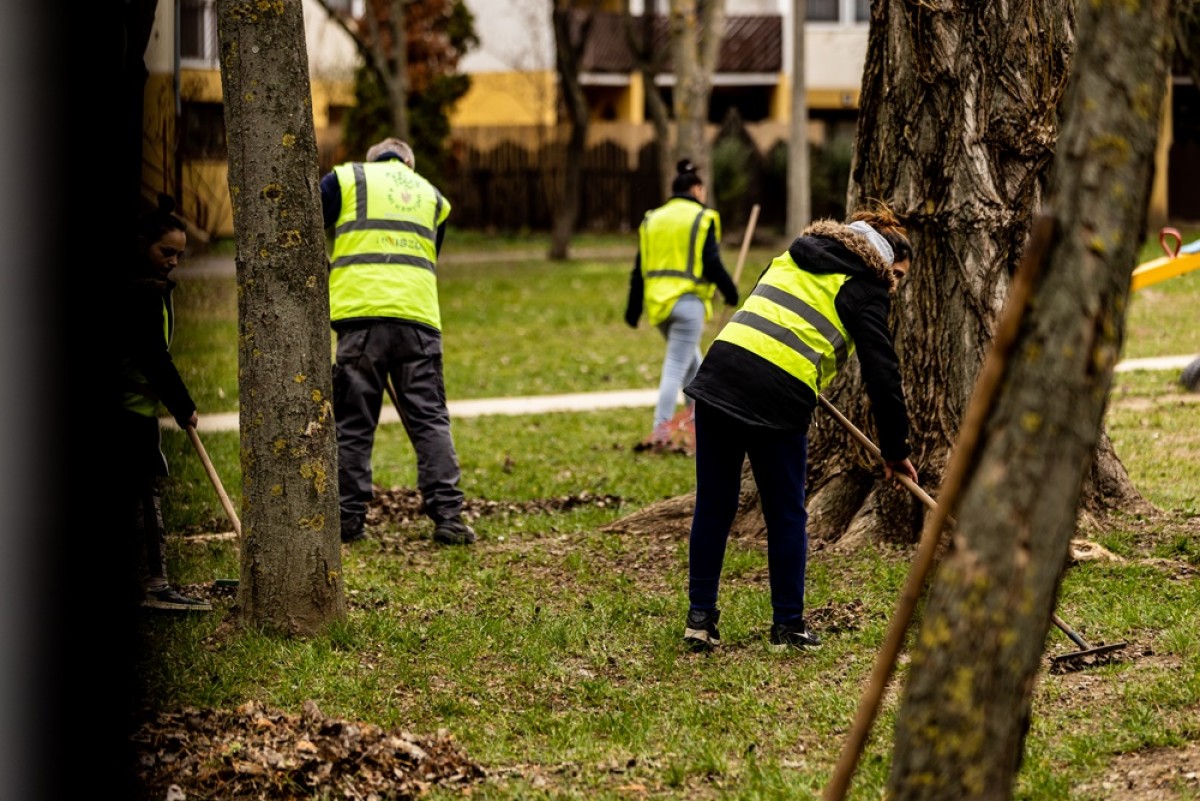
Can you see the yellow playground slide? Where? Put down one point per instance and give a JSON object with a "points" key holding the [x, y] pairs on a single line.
{"points": [[1179, 259]]}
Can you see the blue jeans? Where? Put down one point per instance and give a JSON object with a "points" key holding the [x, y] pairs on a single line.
{"points": [[779, 460], [682, 330]]}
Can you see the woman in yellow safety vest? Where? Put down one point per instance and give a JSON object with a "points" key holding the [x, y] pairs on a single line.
{"points": [[675, 274], [821, 301], [149, 378]]}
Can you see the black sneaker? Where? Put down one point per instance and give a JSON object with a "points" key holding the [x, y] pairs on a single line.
{"points": [[454, 531], [170, 599], [793, 635], [700, 633], [352, 528]]}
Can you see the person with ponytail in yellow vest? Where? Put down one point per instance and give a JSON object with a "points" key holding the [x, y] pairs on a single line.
{"points": [[676, 272], [148, 377], [388, 224], [819, 303]]}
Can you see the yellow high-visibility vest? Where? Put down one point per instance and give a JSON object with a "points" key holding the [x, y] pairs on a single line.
{"points": [[791, 321], [384, 261], [671, 239]]}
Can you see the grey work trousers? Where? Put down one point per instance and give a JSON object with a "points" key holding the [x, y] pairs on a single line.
{"points": [[412, 356]]}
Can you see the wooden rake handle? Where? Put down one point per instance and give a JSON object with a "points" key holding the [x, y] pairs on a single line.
{"points": [[912, 486], [215, 479], [737, 272]]}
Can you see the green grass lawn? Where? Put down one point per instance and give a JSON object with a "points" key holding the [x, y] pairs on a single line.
{"points": [[550, 650]]}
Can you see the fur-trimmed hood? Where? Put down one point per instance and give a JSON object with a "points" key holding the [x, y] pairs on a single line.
{"points": [[816, 256]]}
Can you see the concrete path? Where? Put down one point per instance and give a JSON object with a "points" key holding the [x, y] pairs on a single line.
{"points": [[588, 401], [531, 404], [210, 266]]}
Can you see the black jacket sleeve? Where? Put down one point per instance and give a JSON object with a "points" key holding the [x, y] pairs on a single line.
{"points": [[863, 306], [148, 349], [633, 304], [331, 198], [714, 269]]}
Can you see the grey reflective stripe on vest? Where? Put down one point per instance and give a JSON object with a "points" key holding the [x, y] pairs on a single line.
{"points": [[780, 334], [383, 258], [360, 192], [691, 262], [809, 315], [386, 225], [361, 223]]}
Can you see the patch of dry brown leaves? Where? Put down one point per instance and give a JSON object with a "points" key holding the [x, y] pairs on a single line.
{"points": [[403, 507], [258, 753]]}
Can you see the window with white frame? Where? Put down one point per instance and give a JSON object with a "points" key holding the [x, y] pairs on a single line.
{"points": [[840, 12], [198, 31]]}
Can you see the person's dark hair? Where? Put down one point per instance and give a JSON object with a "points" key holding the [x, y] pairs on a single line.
{"points": [[880, 216], [154, 224], [685, 177]]}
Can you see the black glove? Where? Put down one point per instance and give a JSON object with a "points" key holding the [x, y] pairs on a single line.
{"points": [[631, 320], [732, 300]]}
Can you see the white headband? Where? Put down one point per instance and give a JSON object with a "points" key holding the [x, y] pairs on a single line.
{"points": [[876, 239]]}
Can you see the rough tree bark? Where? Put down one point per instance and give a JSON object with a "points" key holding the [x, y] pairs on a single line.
{"points": [[965, 710], [291, 575], [571, 30], [957, 131], [696, 30]]}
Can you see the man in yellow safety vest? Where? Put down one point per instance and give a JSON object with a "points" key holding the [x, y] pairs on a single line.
{"points": [[388, 224]]}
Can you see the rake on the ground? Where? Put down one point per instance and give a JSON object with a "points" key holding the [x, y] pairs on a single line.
{"points": [[1073, 660]]}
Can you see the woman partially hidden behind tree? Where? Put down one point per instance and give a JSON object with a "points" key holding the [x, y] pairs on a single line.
{"points": [[148, 377]]}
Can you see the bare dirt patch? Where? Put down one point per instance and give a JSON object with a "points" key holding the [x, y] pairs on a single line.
{"points": [[1151, 774]]}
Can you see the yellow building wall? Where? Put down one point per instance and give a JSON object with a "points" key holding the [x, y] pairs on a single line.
{"points": [[204, 193], [821, 99], [508, 98]]}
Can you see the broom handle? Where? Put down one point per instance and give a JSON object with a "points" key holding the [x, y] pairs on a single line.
{"points": [[215, 479]]}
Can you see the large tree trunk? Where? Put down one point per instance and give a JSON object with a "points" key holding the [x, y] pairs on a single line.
{"points": [[291, 577], [696, 30], [961, 727], [958, 129]]}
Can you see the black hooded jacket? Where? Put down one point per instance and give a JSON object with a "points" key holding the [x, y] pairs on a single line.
{"points": [[753, 390], [142, 341]]}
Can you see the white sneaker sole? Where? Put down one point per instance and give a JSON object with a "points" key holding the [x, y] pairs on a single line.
{"points": [[700, 638], [783, 646]]}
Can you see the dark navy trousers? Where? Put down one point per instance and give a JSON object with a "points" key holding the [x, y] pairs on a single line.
{"points": [[779, 460], [412, 356]]}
